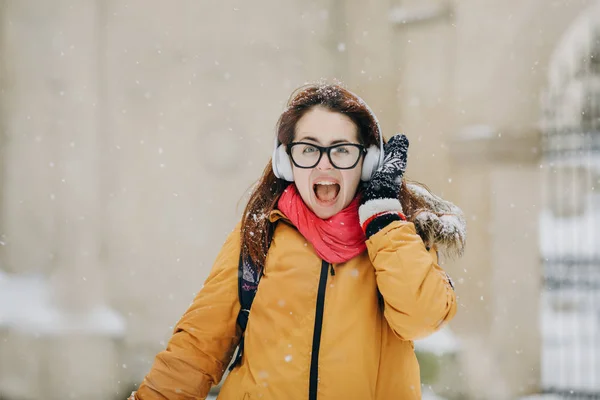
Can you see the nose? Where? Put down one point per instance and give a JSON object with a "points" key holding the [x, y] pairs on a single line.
{"points": [[324, 163]]}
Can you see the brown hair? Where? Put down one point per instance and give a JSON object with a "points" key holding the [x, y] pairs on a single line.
{"points": [[257, 230]]}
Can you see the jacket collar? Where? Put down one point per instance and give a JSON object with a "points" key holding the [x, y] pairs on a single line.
{"points": [[276, 215]]}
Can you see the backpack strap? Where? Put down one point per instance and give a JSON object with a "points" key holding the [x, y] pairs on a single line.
{"points": [[248, 279]]}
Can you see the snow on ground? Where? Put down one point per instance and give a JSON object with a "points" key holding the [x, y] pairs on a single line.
{"points": [[440, 343], [428, 394], [26, 304], [543, 397]]}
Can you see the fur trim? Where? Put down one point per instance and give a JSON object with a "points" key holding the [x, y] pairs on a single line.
{"points": [[443, 225]]}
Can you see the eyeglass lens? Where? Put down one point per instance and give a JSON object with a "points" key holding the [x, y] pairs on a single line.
{"points": [[341, 156]]}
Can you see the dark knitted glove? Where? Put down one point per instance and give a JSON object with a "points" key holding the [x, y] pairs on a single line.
{"points": [[379, 204]]}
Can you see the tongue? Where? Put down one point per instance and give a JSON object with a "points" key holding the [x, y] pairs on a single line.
{"points": [[327, 192]]}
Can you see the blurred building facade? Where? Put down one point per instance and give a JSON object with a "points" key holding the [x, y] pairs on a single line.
{"points": [[130, 133]]}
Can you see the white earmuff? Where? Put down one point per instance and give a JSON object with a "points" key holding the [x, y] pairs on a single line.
{"points": [[375, 155], [371, 163], [282, 165]]}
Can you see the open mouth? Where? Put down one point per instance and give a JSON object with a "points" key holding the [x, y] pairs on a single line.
{"points": [[326, 192]]}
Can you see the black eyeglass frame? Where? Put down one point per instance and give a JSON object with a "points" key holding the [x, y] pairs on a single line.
{"points": [[326, 149]]}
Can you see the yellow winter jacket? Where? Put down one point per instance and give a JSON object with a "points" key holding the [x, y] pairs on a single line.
{"points": [[360, 317]]}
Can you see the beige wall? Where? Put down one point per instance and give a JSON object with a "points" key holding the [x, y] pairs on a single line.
{"points": [[130, 132]]}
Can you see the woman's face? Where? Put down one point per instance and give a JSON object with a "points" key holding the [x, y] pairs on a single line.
{"points": [[325, 189]]}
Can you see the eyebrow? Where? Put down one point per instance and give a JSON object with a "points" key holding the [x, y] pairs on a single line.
{"points": [[318, 141]]}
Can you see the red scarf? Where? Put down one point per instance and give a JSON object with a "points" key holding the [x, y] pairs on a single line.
{"points": [[336, 239]]}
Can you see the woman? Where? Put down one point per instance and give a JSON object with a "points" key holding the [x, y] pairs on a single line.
{"points": [[348, 270]]}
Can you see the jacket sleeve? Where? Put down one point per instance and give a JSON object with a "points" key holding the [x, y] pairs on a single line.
{"points": [[418, 295], [204, 338]]}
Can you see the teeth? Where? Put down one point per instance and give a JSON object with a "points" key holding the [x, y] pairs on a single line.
{"points": [[325, 183]]}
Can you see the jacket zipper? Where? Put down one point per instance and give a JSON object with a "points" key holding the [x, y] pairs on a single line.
{"points": [[314, 359]]}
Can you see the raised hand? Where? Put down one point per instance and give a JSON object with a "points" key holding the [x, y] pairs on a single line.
{"points": [[380, 204]]}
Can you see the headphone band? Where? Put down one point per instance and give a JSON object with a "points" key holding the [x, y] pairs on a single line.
{"points": [[376, 123], [371, 113]]}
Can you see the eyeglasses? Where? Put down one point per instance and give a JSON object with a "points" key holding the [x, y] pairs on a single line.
{"points": [[341, 156]]}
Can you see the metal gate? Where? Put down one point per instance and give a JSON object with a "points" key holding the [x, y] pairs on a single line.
{"points": [[570, 219]]}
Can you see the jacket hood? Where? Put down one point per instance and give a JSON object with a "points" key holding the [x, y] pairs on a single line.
{"points": [[442, 225]]}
